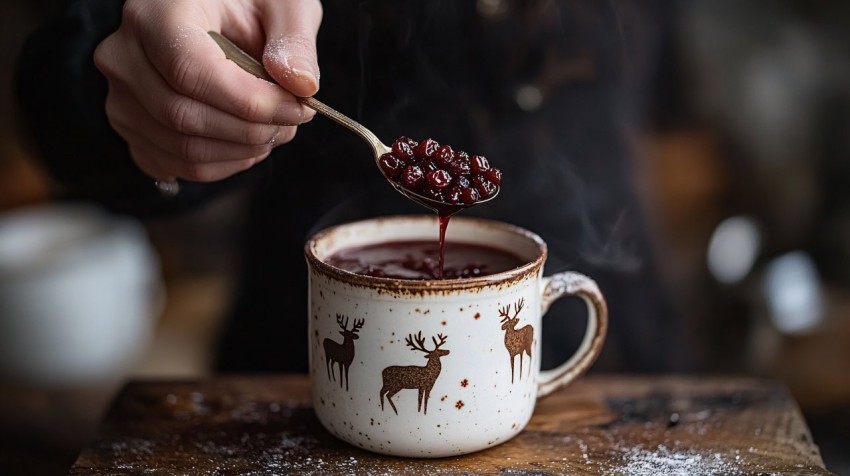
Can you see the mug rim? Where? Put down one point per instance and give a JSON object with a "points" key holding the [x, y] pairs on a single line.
{"points": [[530, 267]]}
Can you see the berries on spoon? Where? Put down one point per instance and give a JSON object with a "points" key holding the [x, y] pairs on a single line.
{"points": [[439, 172]]}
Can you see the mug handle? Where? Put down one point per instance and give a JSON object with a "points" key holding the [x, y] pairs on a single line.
{"points": [[574, 284]]}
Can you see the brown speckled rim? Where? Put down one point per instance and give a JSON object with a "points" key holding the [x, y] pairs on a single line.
{"points": [[532, 267]]}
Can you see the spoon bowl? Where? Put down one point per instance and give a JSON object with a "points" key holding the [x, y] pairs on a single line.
{"points": [[251, 65]]}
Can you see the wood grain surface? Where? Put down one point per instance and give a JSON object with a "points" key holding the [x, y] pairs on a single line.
{"points": [[602, 425]]}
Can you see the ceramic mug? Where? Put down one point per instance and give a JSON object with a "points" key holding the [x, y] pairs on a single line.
{"points": [[440, 367]]}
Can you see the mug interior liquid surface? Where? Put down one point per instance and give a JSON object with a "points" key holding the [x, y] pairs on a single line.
{"points": [[419, 259]]}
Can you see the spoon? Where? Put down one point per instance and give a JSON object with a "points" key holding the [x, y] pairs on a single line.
{"points": [[251, 65]]}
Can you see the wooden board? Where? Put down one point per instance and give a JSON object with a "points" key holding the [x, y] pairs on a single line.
{"points": [[603, 425]]}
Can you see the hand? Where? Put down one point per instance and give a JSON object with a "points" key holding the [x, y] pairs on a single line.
{"points": [[188, 112]]}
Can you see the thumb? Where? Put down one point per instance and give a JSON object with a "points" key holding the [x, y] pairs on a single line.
{"points": [[290, 52]]}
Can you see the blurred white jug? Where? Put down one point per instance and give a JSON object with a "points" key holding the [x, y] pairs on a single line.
{"points": [[80, 291]]}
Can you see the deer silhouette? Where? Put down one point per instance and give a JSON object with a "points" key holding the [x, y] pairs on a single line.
{"points": [[397, 377], [343, 353], [517, 341]]}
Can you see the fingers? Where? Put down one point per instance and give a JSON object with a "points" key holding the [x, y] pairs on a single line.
{"points": [[290, 52], [181, 113], [193, 148], [177, 46], [159, 165], [202, 72], [164, 153], [188, 112]]}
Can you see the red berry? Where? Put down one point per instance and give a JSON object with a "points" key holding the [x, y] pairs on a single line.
{"points": [[459, 164], [412, 143], [485, 187], [479, 164], [390, 165], [438, 179], [403, 151], [426, 149], [468, 195], [494, 175], [428, 165], [459, 167], [462, 181], [444, 156], [453, 195], [412, 177]]}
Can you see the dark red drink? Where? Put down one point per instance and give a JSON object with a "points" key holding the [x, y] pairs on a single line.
{"points": [[421, 260]]}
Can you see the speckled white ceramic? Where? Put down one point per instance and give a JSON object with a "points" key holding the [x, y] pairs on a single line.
{"points": [[436, 368]]}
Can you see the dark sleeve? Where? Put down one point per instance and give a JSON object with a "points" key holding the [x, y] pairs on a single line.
{"points": [[61, 98]]}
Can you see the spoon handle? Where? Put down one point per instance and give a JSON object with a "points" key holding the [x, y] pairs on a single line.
{"points": [[242, 59], [251, 65], [378, 147]]}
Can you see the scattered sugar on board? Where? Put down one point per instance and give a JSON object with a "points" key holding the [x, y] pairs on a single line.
{"points": [[666, 461], [133, 447]]}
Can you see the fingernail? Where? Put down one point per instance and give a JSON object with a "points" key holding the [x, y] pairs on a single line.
{"points": [[304, 68], [307, 114]]}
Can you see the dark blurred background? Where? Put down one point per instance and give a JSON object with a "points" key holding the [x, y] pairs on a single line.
{"points": [[743, 168]]}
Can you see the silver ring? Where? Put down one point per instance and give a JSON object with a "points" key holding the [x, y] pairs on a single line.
{"points": [[168, 188]]}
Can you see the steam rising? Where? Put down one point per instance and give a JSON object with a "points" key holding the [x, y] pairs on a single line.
{"points": [[511, 81], [540, 89]]}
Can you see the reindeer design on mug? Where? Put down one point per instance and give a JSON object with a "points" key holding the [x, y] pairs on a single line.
{"points": [[517, 341], [397, 377], [342, 354]]}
